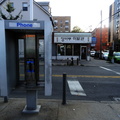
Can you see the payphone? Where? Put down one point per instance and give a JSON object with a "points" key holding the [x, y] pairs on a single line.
{"points": [[31, 61], [17, 33], [30, 73]]}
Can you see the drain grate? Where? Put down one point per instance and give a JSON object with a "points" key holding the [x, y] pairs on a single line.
{"points": [[116, 99]]}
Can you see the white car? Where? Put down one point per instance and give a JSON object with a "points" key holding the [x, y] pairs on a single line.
{"points": [[92, 53], [105, 55]]}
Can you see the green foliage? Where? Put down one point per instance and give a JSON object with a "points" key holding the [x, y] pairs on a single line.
{"points": [[77, 29], [9, 9]]}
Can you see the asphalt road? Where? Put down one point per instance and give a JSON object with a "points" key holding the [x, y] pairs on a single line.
{"points": [[95, 83], [99, 83]]}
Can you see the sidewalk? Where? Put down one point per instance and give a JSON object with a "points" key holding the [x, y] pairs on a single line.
{"points": [[74, 109], [54, 110], [83, 62]]}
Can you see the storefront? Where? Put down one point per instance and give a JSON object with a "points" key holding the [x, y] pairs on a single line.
{"points": [[67, 45]]}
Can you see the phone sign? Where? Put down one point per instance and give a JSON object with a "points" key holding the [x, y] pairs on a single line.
{"points": [[24, 25]]}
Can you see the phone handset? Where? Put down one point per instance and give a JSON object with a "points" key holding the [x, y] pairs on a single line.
{"points": [[30, 65]]}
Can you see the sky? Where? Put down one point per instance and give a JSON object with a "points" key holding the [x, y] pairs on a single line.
{"points": [[85, 14]]}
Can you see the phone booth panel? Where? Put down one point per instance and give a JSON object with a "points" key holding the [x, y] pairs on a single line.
{"points": [[31, 61], [31, 30]]}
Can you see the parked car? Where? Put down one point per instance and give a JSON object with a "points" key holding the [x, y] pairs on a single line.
{"points": [[105, 55], [92, 53], [116, 56]]}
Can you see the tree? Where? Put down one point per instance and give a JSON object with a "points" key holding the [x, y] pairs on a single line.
{"points": [[77, 29], [9, 9]]}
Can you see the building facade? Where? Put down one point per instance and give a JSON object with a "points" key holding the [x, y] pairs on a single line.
{"points": [[62, 23], [103, 45], [114, 26], [111, 25], [71, 45], [40, 10]]}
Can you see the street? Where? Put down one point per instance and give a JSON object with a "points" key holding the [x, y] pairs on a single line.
{"points": [[99, 81]]}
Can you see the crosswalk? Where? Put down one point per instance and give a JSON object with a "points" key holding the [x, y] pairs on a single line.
{"points": [[76, 88]]}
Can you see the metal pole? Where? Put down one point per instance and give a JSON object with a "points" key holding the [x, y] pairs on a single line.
{"points": [[72, 63], [5, 99], [64, 89], [31, 9], [101, 38], [77, 61], [67, 61]]}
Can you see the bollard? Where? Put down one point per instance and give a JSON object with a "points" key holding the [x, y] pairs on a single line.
{"points": [[112, 60], [5, 99], [72, 63], [77, 61], [64, 89], [67, 61]]}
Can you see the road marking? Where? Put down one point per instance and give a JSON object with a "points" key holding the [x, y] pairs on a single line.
{"points": [[76, 88], [116, 99], [105, 68], [110, 70], [84, 76]]}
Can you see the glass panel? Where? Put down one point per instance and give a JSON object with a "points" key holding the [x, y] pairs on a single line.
{"points": [[31, 62], [77, 50], [83, 52], [68, 49], [30, 46], [61, 49], [41, 49], [21, 59], [25, 6], [41, 60]]}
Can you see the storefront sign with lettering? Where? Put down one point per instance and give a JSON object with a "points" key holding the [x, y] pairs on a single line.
{"points": [[71, 38]]}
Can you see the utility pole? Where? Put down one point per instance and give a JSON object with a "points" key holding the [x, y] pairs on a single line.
{"points": [[31, 9], [101, 38]]}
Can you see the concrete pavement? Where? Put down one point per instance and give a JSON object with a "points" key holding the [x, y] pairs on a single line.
{"points": [[83, 62], [54, 110]]}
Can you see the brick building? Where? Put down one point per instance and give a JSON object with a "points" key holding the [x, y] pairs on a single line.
{"points": [[114, 25], [104, 43], [62, 23]]}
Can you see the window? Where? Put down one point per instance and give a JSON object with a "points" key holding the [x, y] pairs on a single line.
{"points": [[68, 49], [118, 15], [66, 22], [61, 26], [55, 22], [117, 25], [66, 27], [118, 1], [25, 6], [56, 27], [41, 48], [60, 21], [61, 49], [117, 31], [117, 20], [77, 49]]}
